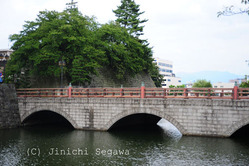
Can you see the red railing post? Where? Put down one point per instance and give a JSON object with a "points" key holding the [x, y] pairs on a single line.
{"points": [[235, 92], [222, 93], [70, 91], [209, 92], [121, 92], [164, 92], [87, 92], [185, 92], [104, 93], [142, 91]]}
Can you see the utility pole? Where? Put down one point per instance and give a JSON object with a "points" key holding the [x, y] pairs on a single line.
{"points": [[71, 5]]}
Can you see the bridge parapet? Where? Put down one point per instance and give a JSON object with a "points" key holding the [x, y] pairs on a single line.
{"points": [[186, 93]]}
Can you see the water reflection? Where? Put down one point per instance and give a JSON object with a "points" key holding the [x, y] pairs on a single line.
{"points": [[9, 146], [151, 147]]}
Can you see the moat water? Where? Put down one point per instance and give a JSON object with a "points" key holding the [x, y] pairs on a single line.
{"points": [[53, 145]]}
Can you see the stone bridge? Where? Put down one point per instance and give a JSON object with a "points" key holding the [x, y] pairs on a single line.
{"points": [[203, 117]]}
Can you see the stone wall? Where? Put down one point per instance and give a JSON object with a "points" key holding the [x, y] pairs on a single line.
{"points": [[104, 78], [9, 112]]}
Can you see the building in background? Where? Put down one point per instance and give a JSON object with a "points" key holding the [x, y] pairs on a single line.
{"points": [[166, 69], [224, 85], [189, 84], [5, 54], [238, 81], [230, 84]]}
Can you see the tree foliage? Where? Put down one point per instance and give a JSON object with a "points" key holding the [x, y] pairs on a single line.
{"points": [[245, 1], [125, 55], [244, 85], [232, 10], [156, 76], [83, 44], [178, 86], [202, 84], [52, 37], [128, 14]]}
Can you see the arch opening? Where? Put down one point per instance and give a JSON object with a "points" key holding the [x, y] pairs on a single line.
{"points": [[143, 122], [242, 132], [46, 118], [139, 121]]}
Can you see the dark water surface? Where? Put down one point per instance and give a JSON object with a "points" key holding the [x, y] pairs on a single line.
{"points": [[62, 146]]}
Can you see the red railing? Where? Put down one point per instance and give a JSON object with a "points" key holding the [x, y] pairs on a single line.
{"points": [[105, 92], [207, 93], [43, 92]]}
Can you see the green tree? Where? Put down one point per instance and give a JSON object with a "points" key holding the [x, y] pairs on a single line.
{"points": [[244, 85], [128, 16], [125, 55], [178, 86], [155, 75], [82, 43], [52, 37], [202, 84]]}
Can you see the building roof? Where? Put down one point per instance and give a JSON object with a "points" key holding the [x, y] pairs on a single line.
{"points": [[6, 50]]}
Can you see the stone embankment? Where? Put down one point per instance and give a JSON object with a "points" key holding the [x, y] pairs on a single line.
{"points": [[9, 112]]}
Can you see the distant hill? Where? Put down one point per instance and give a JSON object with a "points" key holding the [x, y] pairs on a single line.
{"points": [[212, 76]]}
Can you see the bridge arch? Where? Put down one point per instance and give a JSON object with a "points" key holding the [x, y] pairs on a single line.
{"points": [[236, 126], [52, 109], [151, 111]]}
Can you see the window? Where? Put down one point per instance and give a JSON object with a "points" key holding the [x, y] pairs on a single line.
{"points": [[169, 71], [164, 64], [169, 80], [165, 70], [179, 81], [166, 75], [164, 84]]}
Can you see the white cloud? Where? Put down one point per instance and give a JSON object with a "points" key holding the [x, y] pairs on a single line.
{"points": [[191, 35], [185, 32]]}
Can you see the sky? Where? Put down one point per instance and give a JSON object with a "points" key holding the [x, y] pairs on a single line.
{"points": [[188, 33]]}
